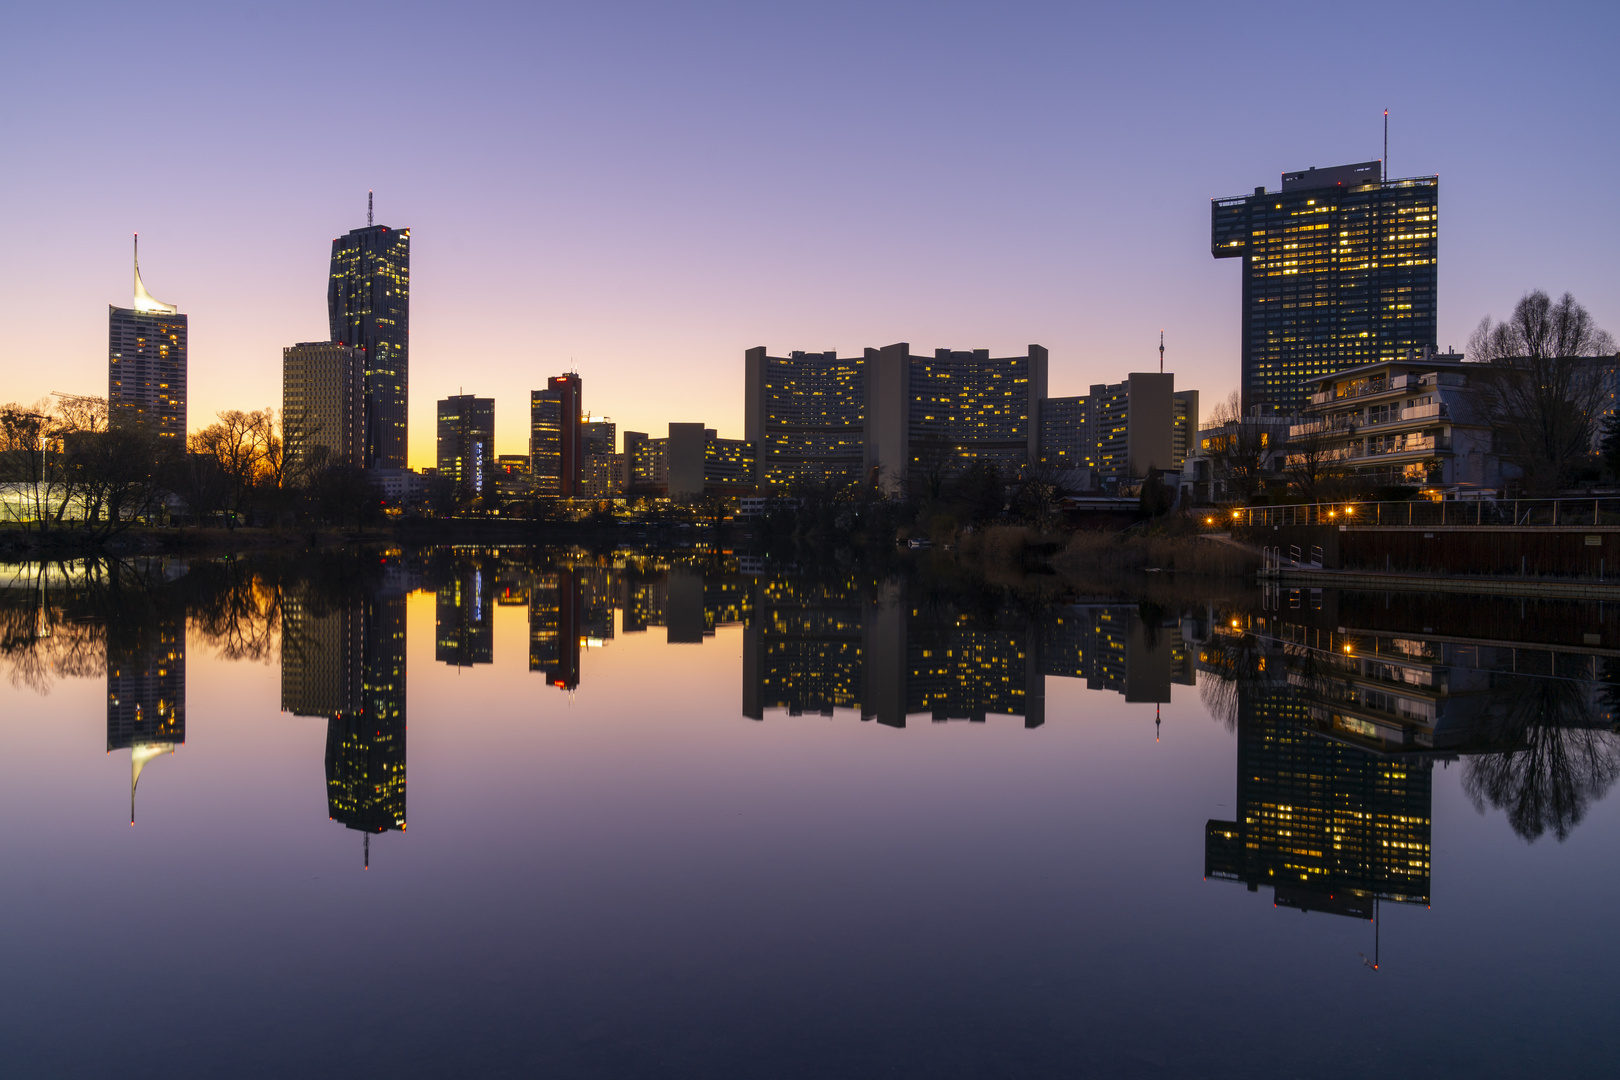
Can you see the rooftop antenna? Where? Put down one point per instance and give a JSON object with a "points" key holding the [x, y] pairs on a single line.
{"points": [[368, 194], [1161, 352], [1385, 162]]}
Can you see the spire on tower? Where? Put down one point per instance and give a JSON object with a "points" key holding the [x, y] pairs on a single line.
{"points": [[368, 209], [145, 301], [1161, 352]]}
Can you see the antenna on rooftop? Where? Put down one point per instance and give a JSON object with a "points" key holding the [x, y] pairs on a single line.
{"points": [[1385, 162], [368, 205], [1161, 352]]}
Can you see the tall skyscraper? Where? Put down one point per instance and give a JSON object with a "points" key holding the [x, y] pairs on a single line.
{"points": [[467, 443], [323, 402], [556, 439], [146, 363], [368, 302], [1339, 269]]}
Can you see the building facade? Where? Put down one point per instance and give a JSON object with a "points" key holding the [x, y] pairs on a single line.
{"points": [[466, 443], [1339, 270], [951, 408], [1408, 422], [805, 415], [368, 304], [323, 403], [1120, 430], [146, 364], [556, 439]]}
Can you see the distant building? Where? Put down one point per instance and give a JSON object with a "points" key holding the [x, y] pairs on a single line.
{"points": [[599, 436], [400, 487], [368, 304], [146, 364], [512, 480], [924, 413], [1339, 270], [323, 403], [690, 461], [805, 415], [556, 440], [467, 442], [1120, 430]]}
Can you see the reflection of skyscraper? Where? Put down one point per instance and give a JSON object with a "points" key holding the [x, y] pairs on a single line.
{"points": [[365, 749], [554, 627], [464, 620], [146, 697], [803, 649], [1329, 826], [368, 304], [346, 662]]}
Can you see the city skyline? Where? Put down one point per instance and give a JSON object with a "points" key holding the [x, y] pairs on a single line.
{"points": [[648, 255]]}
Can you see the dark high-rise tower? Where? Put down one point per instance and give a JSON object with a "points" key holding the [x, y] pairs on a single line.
{"points": [[368, 301], [1339, 269], [556, 439], [146, 363], [466, 444]]}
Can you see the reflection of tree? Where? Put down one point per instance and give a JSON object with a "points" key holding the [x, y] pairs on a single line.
{"points": [[1554, 760], [1233, 663]]}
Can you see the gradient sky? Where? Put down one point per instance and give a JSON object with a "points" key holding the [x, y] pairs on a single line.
{"points": [[642, 191]]}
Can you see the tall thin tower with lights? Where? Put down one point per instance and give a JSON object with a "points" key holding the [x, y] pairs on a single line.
{"points": [[146, 363], [368, 302]]}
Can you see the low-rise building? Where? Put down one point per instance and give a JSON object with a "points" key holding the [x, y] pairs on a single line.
{"points": [[1415, 422]]}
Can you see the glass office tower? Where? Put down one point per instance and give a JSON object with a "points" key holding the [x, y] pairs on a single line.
{"points": [[1339, 269], [368, 302]]}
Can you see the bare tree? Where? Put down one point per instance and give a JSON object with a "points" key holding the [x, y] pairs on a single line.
{"points": [[1316, 458], [1543, 386], [239, 444], [1238, 448]]}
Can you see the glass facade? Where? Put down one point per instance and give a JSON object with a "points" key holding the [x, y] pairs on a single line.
{"points": [[1339, 269], [467, 443], [368, 303]]}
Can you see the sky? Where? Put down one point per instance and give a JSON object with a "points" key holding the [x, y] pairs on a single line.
{"points": [[642, 191]]}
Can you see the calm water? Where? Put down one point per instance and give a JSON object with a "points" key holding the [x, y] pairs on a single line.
{"points": [[696, 819]]}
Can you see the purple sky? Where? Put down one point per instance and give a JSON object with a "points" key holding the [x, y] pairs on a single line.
{"points": [[643, 191]]}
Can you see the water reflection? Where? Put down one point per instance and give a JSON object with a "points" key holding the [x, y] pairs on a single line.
{"points": [[1341, 703]]}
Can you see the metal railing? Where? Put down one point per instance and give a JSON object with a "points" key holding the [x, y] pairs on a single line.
{"points": [[1475, 513]]}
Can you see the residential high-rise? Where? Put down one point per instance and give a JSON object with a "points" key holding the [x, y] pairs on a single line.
{"points": [[368, 302], [1339, 269], [1121, 430], [556, 441], [467, 443], [323, 402], [146, 364], [923, 412], [805, 414]]}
